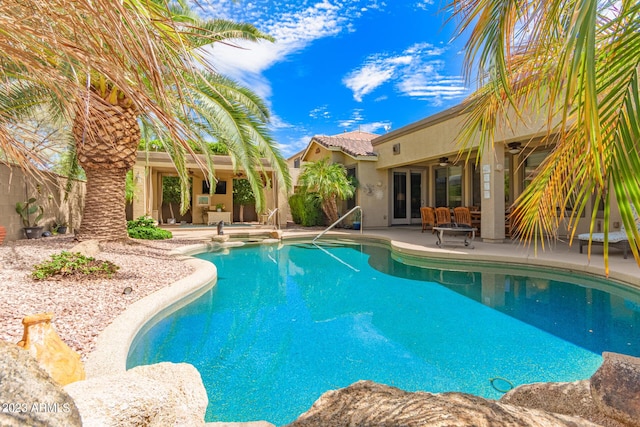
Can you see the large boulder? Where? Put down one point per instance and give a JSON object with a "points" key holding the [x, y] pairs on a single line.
{"points": [[615, 388], [28, 395], [561, 398], [165, 394], [366, 403]]}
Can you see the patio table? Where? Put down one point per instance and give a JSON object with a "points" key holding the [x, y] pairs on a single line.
{"points": [[455, 230]]}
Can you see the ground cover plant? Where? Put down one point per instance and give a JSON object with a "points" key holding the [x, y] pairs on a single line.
{"points": [[66, 264]]}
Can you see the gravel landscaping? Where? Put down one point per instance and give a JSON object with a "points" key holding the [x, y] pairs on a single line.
{"points": [[82, 307]]}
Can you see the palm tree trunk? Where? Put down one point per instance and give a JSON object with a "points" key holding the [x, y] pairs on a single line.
{"points": [[330, 209], [107, 138], [104, 215]]}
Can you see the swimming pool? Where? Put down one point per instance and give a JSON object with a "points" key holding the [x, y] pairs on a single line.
{"points": [[286, 323]]}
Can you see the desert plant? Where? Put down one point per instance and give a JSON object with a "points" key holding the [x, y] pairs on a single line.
{"points": [[305, 210], [242, 195], [329, 182], [145, 228], [73, 264], [28, 208]]}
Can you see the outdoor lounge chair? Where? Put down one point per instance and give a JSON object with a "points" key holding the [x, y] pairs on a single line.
{"points": [[443, 216], [428, 217], [462, 215], [617, 239]]}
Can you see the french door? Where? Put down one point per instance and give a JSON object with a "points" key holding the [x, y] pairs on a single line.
{"points": [[408, 196]]}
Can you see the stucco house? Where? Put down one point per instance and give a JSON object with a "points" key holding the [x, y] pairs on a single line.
{"points": [[420, 165]]}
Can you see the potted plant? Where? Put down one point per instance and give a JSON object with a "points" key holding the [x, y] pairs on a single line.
{"points": [[219, 207], [242, 195], [61, 224], [26, 210], [357, 219]]}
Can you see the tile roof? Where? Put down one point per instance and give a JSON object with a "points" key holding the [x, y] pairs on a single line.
{"points": [[355, 143]]}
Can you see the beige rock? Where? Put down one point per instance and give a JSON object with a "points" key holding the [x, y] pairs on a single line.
{"points": [[615, 388], [561, 398], [89, 248], [275, 234], [366, 403], [164, 394], [220, 238], [53, 355], [28, 395]]}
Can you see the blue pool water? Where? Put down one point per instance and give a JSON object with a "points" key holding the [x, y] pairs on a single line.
{"points": [[286, 323]]}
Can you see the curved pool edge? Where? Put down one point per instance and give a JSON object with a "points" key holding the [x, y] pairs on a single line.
{"points": [[400, 247], [112, 345]]}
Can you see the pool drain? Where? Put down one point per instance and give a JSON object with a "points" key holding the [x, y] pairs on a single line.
{"points": [[505, 383]]}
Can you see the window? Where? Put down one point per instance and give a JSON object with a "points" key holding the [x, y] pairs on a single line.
{"points": [[351, 176], [449, 186], [296, 163]]}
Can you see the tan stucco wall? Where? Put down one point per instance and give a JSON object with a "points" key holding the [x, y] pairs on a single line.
{"points": [[49, 189]]}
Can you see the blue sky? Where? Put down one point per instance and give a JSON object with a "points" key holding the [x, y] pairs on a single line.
{"points": [[342, 65]]}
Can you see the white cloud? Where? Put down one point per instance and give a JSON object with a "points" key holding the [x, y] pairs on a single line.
{"points": [[376, 127], [366, 79], [294, 145], [356, 118], [293, 27], [424, 4], [320, 112], [414, 72]]}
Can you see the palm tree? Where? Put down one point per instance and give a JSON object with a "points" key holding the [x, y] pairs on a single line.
{"points": [[328, 182], [578, 63], [164, 82]]}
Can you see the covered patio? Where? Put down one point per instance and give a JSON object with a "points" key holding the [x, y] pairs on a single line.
{"points": [[210, 202]]}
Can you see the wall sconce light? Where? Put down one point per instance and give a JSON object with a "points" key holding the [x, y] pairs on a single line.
{"points": [[514, 147], [444, 161], [379, 183]]}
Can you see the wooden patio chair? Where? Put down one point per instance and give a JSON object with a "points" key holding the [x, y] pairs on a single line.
{"points": [[462, 215], [428, 217], [443, 216]]}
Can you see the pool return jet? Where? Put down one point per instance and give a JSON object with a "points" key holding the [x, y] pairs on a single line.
{"points": [[329, 228]]}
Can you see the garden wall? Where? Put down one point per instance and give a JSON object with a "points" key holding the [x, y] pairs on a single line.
{"points": [[17, 185]]}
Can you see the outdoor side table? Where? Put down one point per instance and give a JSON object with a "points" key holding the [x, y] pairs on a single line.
{"points": [[455, 230]]}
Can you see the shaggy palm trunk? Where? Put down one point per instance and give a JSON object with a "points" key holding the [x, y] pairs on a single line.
{"points": [[330, 209], [107, 139]]}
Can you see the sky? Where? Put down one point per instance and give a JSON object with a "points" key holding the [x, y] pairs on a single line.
{"points": [[343, 65]]}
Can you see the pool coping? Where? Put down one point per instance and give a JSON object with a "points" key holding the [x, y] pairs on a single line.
{"points": [[113, 343]]}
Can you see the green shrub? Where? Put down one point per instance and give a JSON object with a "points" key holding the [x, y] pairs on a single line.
{"points": [[145, 228], [306, 210], [73, 264]]}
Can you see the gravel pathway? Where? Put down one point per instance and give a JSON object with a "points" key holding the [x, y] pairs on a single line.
{"points": [[82, 308]]}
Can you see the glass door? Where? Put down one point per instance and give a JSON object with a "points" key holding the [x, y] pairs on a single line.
{"points": [[408, 196]]}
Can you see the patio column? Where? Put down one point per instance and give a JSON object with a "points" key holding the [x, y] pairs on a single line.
{"points": [[140, 191], [492, 192]]}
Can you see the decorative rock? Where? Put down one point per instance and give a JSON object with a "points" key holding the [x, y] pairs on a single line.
{"points": [[164, 394], [221, 238], [88, 248], [615, 388], [28, 395], [275, 234], [561, 398], [366, 403], [53, 355], [245, 424]]}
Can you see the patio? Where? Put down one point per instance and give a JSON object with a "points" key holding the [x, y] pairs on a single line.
{"points": [[410, 239]]}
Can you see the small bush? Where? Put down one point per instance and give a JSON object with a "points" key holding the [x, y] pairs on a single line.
{"points": [[145, 228], [73, 264], [306, 210]]}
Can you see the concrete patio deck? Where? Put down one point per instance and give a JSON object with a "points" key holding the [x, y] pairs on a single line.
{"points": [[410, 239]]}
